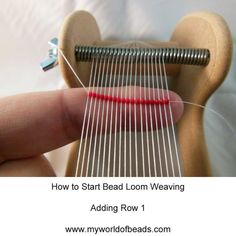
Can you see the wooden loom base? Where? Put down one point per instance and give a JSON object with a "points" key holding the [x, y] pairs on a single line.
{"points": [[193, 84]]}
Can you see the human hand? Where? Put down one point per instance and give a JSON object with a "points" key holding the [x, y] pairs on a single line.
{"points": [[35, 123]]}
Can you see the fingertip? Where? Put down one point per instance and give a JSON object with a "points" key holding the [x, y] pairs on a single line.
{"points": [[177, 106]]}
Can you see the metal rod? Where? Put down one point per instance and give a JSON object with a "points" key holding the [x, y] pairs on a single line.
{"points": [[188, 56]]}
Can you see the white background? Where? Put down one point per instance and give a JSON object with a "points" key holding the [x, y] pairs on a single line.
{"points": [[29, 206]]}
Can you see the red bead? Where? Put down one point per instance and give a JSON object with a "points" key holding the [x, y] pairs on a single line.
{"points": [[132, 100], [138, 101]]}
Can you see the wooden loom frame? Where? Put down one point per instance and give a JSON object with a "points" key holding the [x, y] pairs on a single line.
{"points": [[193, 84]]}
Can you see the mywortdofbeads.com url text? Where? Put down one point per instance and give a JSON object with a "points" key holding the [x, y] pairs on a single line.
{"points": [[117, 229]]}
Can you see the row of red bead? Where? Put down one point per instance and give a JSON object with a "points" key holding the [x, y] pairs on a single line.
{"points": [[135, 101]]}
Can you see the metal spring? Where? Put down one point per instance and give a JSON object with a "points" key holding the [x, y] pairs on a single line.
{"points": [[188, 56]]}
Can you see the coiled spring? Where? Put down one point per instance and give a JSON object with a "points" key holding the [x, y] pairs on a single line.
{"points": [[188, 56]]}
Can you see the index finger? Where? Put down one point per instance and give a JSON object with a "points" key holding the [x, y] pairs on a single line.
{"points": [[35, 123]]}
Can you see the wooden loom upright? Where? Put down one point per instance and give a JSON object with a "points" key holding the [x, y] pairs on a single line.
{"points": [[193, 83]]}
